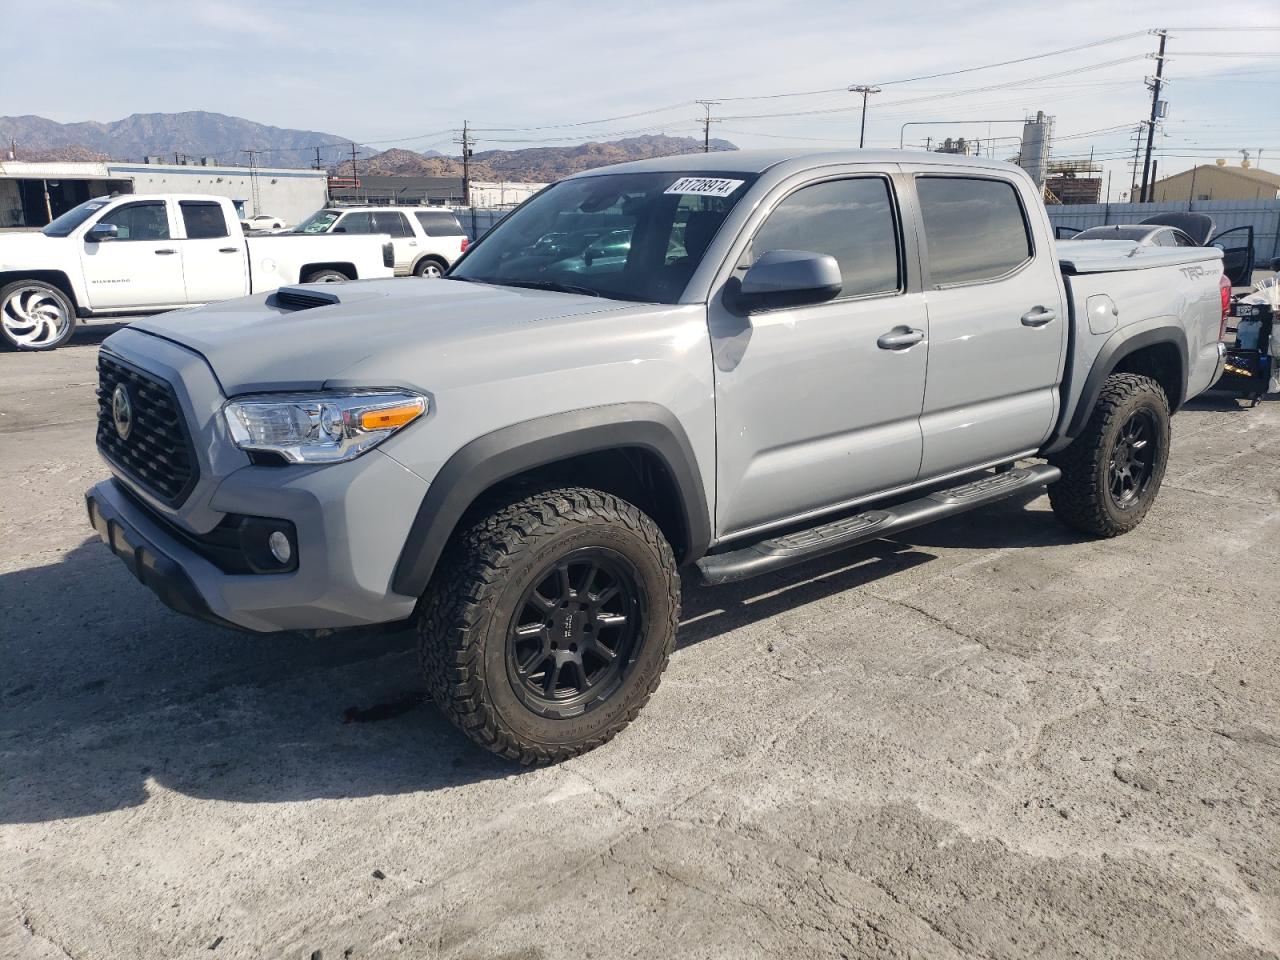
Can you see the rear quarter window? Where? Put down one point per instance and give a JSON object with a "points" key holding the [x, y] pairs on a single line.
{"points": [[439, 223], [975, 229]]}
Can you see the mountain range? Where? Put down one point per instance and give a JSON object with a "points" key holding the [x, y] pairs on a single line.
{"points": [[198, 133], [195, 133], [531, 165]]}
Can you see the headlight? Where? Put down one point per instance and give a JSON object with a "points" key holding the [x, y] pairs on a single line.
{"points": [[320, 427]]}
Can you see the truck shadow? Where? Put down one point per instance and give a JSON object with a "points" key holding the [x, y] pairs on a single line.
{"points": [[108, 698]]}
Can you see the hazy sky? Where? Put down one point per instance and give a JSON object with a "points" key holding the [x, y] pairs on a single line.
{"points": [[416, 70]]}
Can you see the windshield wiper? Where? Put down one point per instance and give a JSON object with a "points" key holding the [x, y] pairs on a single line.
{"points": [[553, 285]]}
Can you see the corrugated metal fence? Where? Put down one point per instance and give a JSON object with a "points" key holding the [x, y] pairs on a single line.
{"points": [[1263, 215], [477, 221]]}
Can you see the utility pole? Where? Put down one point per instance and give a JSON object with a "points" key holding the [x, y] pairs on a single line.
{"points": [[1155, 115], [706, 122], [866, 91], [466, 142], [1133, 172], [318, 167]]}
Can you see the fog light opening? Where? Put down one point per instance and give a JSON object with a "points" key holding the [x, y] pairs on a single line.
{"points": [[281, 549]]}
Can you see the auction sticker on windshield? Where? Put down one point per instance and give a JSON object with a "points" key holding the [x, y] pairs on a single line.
{"points": [[704, 186]]}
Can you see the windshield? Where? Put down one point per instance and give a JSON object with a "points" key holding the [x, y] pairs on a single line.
{"points": [[318, 222], [626, 236], [63, 226]]}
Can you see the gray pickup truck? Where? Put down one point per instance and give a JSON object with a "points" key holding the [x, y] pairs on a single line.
{"points": [[775, 355]]}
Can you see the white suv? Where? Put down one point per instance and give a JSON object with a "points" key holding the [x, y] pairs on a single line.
{"points": [[426, 239]]}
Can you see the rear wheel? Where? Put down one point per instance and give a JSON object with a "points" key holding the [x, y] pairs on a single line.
{"points": [[1112, 472], [326, 276], [430, 267], [35, 316], [549, 623]]}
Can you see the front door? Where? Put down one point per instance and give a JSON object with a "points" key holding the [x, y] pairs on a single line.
{"points": [[214, 264], [1237, 254], [997, 321], [141, 267], [818, 405]]}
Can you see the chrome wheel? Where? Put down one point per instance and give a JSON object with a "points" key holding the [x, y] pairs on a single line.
{"points": [[34, 316], [430, 269]]}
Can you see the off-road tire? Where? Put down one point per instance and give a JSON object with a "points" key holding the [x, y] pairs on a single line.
{"points": [[464, 619], [1082, 498], [325, 276]]}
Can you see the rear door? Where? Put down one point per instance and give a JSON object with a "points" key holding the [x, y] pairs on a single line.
{"points": [[814, 406], [1236, 245], [214, 264], [405, 242], [997, 320], [141, 267], [445, 235]]}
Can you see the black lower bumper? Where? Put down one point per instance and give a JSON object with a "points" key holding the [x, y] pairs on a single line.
{"points": [[153, 568]]}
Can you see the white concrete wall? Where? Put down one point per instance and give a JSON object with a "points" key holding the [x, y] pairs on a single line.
{"points": [[291, 194]]}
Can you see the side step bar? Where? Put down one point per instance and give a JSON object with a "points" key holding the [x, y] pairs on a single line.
{"points": [[802, 545]]}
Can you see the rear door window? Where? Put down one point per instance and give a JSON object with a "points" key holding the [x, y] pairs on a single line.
{"points": [[974, 228], [393, 223], [439, 223], [203, 221]]}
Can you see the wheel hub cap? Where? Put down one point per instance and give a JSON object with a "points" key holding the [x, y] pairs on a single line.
{"points": [[33, 317]]}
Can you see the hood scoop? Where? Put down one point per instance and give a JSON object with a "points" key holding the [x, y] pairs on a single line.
{"points": [[295, 298]]}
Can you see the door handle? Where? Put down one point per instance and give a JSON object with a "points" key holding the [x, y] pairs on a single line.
{"points": [[1038, 317], [228, 249], [165, 252], [900, 338]]}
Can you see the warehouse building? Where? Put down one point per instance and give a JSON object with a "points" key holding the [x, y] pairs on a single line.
{"points": [[1217, 181], [32, 194]]}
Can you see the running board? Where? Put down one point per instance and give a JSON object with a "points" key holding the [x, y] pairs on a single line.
{"points": [[802, 545]]}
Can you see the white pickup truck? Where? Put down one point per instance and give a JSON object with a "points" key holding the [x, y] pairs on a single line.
{"points": [[114, 258]]}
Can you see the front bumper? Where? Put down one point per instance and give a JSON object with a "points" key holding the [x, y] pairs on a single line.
{"points": [[149, 563], [351, 520]]}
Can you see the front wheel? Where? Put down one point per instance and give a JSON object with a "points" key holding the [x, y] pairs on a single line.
{"points": [[35, 316], [1112, 472], [549, 623]]}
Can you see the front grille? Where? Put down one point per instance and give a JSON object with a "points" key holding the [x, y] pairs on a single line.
{"points": [[156, 453]]}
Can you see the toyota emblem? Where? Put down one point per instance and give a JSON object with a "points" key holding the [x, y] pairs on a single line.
{"points": [[121, 411]]}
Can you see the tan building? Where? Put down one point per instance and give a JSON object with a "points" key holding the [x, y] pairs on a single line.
{"points": [[1218, 182]]}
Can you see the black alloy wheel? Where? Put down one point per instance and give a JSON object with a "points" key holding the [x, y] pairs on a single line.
{"points": [[572, 639], [1133, 459]]}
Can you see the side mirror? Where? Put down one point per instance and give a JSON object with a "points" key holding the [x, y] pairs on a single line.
{"points": [[1275, 265], [788, 278], [101, 231], [339, 229]]}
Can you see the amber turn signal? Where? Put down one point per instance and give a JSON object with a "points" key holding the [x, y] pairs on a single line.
{"points": [[389, 418]]}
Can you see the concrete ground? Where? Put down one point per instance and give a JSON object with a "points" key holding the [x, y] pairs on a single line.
{"points": [[988, 738]]}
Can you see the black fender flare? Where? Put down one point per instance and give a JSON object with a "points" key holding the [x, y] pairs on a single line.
{"points": [[512, 450], [1121, 344]]}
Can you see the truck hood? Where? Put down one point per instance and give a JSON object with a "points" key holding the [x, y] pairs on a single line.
{"points": [[256, 343], [23, 249]]}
